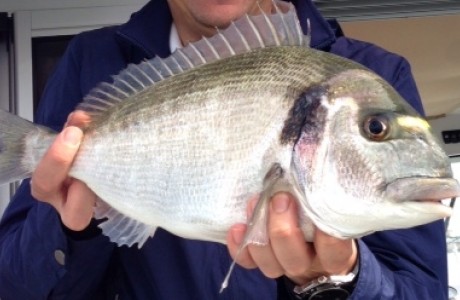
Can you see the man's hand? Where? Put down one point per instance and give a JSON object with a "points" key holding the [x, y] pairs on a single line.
{"points": [[287, 252], [50, 183]]}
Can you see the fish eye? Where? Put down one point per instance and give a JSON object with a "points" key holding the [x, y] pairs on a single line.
{"points": [[376, 128]]}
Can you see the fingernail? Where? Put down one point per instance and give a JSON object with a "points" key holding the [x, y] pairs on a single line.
{"points": [[280, 203], [68, 119], [238, 235], [71, 136]]}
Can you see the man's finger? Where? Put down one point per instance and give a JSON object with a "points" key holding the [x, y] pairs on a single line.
{"points": [[287, 240], [234, 239], [52, 170], [78, 208], [337, 256], [266, 260], [79, 119]]}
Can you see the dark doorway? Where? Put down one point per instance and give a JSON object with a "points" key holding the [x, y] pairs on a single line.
{"points": [[46, 52]]}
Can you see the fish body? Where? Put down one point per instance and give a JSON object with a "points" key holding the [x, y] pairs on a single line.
{"points": [[204, 147], [183, 143]]}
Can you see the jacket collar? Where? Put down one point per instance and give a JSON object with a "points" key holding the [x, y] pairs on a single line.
{"points": [[148, 29]]}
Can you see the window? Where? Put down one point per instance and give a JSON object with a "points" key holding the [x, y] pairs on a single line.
{"points": [[453, 229], [453, 239]]}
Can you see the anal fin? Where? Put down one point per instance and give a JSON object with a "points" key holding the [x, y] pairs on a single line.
{"points": [[121, 229]]}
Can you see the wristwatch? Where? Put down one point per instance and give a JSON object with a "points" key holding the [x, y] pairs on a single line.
{"points": [[334, 287]]}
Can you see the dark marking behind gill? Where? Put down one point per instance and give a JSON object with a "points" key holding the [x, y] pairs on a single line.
{"points": [[306, 114]]}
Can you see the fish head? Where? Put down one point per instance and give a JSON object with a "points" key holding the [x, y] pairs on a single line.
{"points": [[367, 161]]}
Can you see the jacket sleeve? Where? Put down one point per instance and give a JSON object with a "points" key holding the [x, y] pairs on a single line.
{"points": [[403, 264], [39, 259]]}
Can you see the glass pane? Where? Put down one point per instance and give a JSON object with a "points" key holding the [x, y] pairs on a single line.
{"points": [[454, 224], [453, 239], [46, 52]]}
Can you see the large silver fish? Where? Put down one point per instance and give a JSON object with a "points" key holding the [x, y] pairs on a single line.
{"points": [[182, 143]]}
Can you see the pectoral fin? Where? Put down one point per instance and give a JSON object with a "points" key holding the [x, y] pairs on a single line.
{"points": [[121, 229], [276, 180]]}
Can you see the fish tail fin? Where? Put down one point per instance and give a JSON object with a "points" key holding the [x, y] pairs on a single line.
{"points": [[276, 180], [13, 132]]}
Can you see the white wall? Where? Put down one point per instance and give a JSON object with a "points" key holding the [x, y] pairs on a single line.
{"points": [[65, 19]]}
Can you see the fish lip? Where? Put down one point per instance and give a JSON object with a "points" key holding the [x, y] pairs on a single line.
{"points": [[422, 189]]}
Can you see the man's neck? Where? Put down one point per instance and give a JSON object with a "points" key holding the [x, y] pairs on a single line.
{"points": [[191, 29]]}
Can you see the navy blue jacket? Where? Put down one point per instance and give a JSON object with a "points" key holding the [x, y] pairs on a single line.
{"points": [[40, 259]]}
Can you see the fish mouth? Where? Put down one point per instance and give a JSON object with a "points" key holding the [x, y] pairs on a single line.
{"points": [[422, 189]]}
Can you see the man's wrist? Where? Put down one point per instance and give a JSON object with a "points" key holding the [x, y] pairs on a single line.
{"points": [[328, 287]]}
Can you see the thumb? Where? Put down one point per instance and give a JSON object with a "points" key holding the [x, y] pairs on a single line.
{"points": [[53, 168]]}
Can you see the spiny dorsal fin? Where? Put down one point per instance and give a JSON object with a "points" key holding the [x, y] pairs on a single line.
{"points": [[244, 35]]}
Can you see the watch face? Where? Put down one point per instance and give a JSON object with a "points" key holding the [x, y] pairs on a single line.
{"points": [[335, 293]]}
